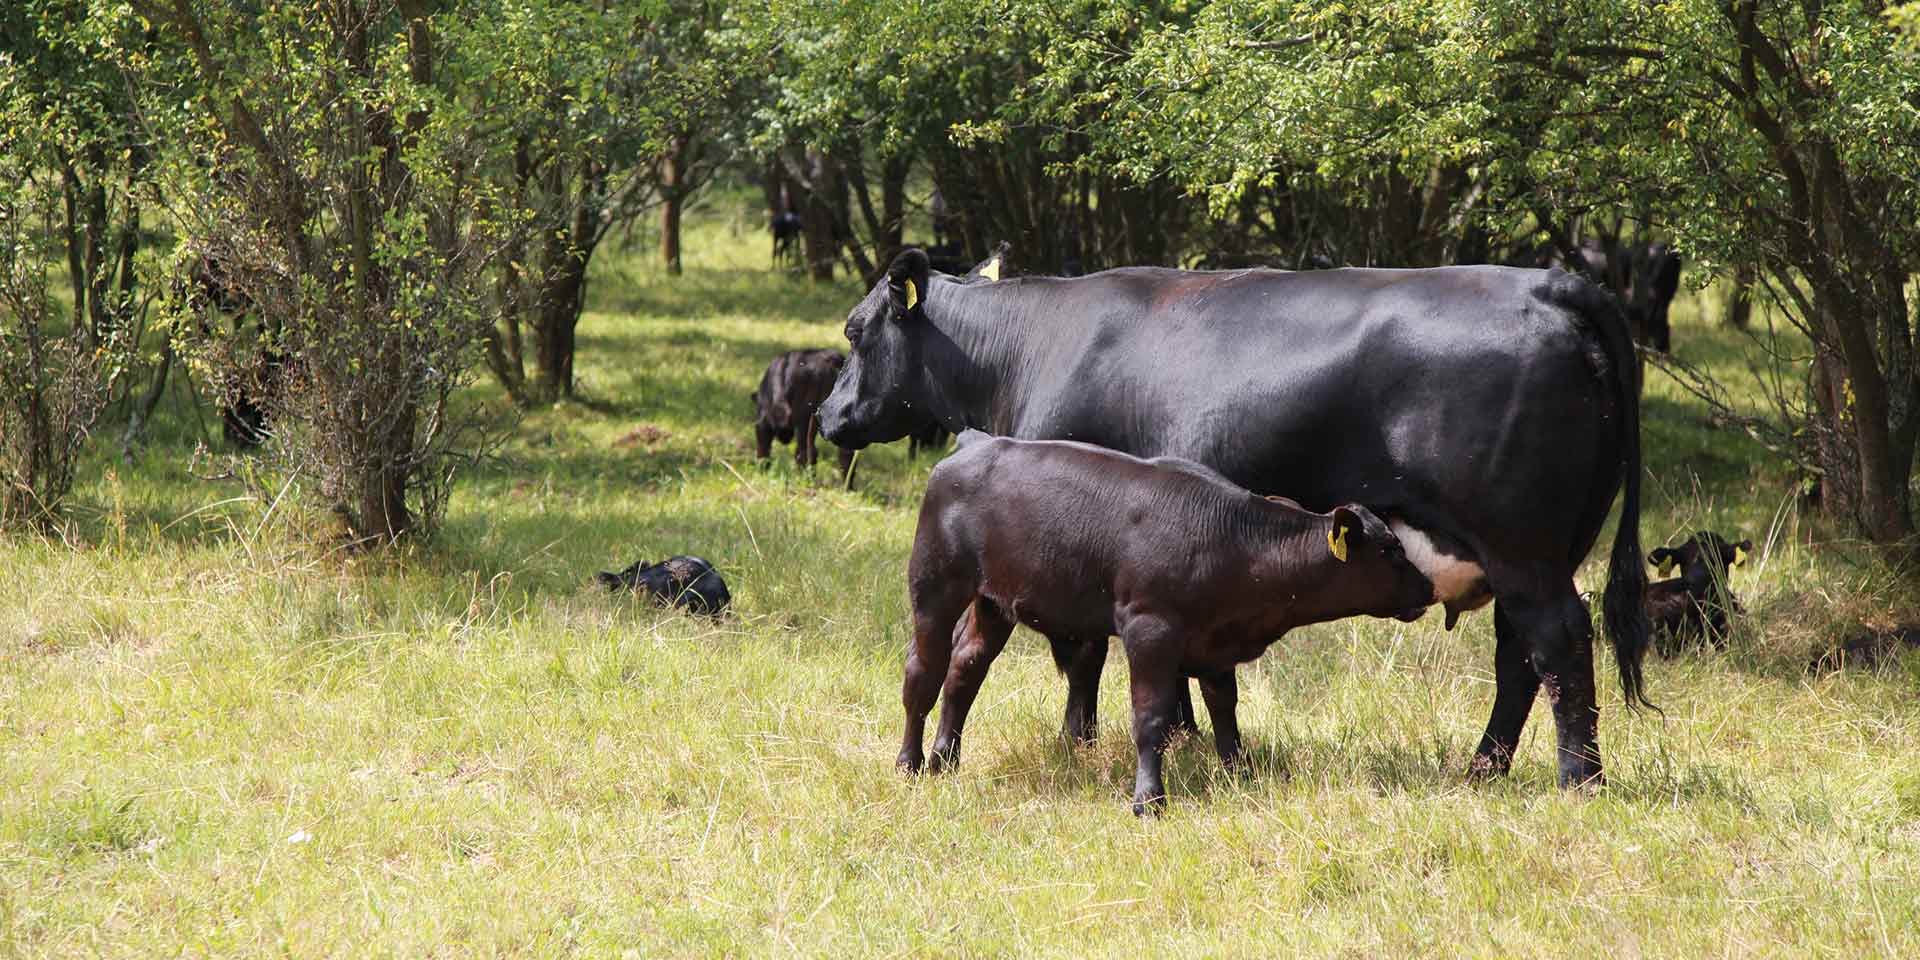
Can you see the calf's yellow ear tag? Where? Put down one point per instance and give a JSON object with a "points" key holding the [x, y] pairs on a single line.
{"points": [[1337, 542], [1739, 555], [1668, 565], [913, 294], [992, 270]]}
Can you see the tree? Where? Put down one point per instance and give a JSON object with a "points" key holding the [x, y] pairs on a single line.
{"points": [[1779, 138], [328, 171], [53, 378], [610, 112]]}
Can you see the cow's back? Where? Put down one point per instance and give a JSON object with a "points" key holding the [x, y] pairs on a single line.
{"points": [[1458, 396]]}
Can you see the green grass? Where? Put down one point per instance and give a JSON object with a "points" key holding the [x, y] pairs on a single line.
{"points": [[217, 741]]}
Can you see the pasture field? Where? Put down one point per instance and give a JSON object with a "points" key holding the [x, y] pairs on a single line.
{"points": [[215, 741]]}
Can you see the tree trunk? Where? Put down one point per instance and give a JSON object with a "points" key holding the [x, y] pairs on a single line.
{"points": [[672, 196], [1739, 310], [821, 245]]}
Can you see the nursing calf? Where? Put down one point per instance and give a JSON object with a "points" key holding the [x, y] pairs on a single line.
{"points": [[1193, 573]]}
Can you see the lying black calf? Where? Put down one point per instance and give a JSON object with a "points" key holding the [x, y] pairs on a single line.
{"points": [[1193, 573], [1694, 605], [688, 582]]}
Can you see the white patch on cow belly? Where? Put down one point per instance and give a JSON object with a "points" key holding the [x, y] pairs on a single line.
{"points": [[1453, 577]]}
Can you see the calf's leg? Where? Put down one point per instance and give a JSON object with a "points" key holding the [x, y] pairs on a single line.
{"points": [[1222, 693], [1082, 661], [1153, 665], [978, 639], [762, 441], [936, 608]]}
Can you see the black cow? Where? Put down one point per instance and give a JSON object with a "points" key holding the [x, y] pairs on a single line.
{"points": [[1694, 605], [687, 582], [1645, 277], [1490, 414], [786, 227], [786, 405], [1193, 573]]}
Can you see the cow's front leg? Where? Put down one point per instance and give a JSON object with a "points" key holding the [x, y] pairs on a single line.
{"points": [[1153, 663]]}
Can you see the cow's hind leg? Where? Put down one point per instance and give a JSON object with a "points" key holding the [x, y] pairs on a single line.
{"points": [[1515, 685], [1558, 633], [937, 606], [978, 640]]}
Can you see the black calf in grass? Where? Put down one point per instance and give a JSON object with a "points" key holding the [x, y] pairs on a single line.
{"points": [[1694, 605], [687, 582], [1080, 543]]}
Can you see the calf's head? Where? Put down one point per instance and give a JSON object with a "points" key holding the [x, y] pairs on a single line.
{"points": [[882, 394], [1376, 576], [1705, 558]]}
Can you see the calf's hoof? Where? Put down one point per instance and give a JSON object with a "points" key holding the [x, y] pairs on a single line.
{"points": [[945, 757], [1150, 806], [908, 762]]}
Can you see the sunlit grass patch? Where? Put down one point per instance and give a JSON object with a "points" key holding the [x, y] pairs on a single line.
{"points": [[215, 739]]}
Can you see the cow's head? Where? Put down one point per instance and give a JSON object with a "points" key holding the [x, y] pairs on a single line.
{"points": [[882, 393]]}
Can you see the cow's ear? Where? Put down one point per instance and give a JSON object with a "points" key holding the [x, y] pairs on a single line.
{"points": [[993, 267], [1740, 551], [1347, 528], [907, 283]]}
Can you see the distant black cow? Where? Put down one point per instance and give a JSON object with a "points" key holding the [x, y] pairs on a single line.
{"points": [[688, 582], [1645, 277], [786, 407], [1078, 542], [1694, 605], [1491, 413], [786, 227], [243, 393]]}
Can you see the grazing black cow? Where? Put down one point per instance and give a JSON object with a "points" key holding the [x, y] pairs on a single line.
{"points": [[786, 405], [1490, 414], [1694, 605], [687, 582], [1193, 573], [786, 227]]}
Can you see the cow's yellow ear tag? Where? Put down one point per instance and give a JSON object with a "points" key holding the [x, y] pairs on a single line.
{"points": [[1739, 555], [1337, 542], [992, 270], [913, 295]]}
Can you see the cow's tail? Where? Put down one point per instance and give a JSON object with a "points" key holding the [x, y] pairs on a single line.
{"points": [[1624, 604]]}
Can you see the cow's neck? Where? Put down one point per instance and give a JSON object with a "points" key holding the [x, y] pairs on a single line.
{"points": [[979, 360]]}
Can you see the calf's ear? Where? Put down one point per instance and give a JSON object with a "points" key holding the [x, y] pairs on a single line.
{"points": [[1347, 526], [907, 283], [1740, 551], [1664, 559]]}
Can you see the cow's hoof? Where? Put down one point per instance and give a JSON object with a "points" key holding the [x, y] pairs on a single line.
{"points": [[1150, 807], [1488, 766], [908, 763], [1581, 774]]}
